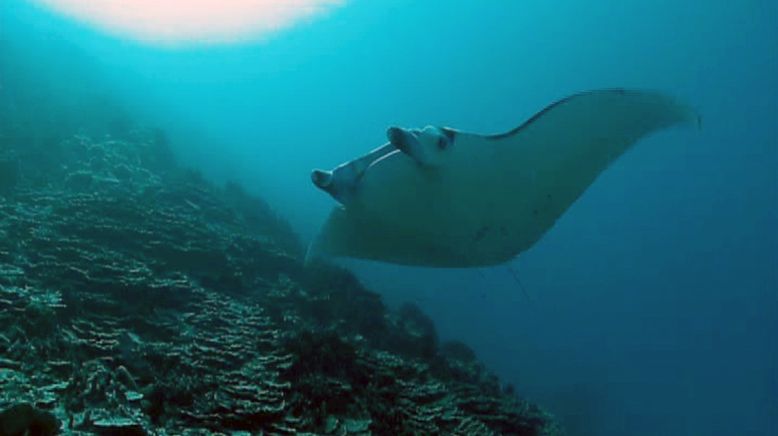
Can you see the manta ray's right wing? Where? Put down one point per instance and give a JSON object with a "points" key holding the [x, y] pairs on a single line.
{"points": [[548, 162]]}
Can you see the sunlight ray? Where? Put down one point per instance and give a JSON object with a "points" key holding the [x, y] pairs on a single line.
{"points": [[191, 21]]}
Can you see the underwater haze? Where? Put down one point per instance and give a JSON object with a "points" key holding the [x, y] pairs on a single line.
{"points": [[650, 308]]}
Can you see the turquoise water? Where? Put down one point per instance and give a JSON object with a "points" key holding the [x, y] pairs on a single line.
{"points": [[653, 302]]}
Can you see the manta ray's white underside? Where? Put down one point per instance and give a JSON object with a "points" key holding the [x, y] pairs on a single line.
{"points": [[491, 197]]}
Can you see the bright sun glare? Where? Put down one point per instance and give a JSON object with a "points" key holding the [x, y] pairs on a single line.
{"points": [[191, 21]]}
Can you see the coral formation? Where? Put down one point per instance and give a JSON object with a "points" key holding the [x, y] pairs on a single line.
{"points": [[137, 298]]}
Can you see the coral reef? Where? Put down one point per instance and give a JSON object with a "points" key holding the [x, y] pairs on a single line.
{"points": [[137, 298]]}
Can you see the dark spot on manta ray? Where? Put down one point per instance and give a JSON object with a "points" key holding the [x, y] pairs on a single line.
{"points": [[481, 233], [535, 212]]}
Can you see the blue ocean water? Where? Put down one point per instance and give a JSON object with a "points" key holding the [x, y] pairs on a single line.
{"points": [[653, 303]]}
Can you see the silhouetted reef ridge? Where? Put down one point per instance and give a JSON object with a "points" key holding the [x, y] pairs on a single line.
{"points": [[138, 298]]}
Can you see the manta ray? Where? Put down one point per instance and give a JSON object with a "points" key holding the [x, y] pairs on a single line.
{"points": [[441, 197]]}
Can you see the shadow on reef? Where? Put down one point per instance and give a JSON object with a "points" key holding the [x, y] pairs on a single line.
{"points": [[137, 298]]}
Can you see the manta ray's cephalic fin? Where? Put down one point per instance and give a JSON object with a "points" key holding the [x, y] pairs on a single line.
{"points": [[343, 180]]}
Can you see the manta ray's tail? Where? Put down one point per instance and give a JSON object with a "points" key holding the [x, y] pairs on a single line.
{"points": [[515, 276], [312, 254]]}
